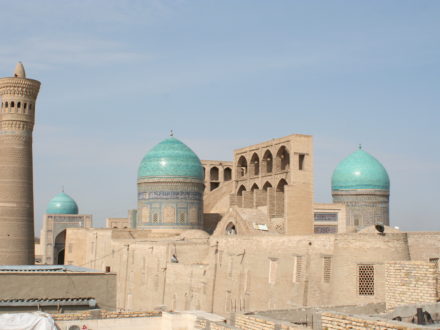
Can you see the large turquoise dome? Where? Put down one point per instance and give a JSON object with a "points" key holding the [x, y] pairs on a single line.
{"points": [[62, 204], [360, 170], [171, 159]]}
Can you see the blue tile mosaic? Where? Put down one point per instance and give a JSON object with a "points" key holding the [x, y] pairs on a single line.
{"points": [[360, 170], [169, 159]]}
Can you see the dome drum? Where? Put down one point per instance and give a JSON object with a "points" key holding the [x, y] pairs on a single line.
{"points": [[179, 207]]}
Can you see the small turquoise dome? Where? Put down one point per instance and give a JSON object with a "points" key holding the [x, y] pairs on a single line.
{"points": [[360, 170], [171, 159], [62, 204]]}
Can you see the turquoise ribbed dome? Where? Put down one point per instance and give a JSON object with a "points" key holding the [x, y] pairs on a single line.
{"points": [[62, 204], [360, 170], [171, 159]]}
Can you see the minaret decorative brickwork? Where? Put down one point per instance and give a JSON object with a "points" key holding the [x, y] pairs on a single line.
{"points": [[17, 117]]}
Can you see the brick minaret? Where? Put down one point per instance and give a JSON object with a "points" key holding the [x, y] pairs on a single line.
{"points": [[17, 117]]}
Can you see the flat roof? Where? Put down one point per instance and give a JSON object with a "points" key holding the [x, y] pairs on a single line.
{"points": [[47, 268]]}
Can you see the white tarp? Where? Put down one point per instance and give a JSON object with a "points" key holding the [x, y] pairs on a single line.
{"points": [[27, 321]]}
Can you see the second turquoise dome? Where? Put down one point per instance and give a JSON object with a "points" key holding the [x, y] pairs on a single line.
{"points": [[360, 170], [171, 159], [62, 204]]}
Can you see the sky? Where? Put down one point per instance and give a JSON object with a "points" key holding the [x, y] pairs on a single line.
{"points": [[118, 75]]}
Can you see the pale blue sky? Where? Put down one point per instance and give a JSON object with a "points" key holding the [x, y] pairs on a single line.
{"points": [[118, 75]]}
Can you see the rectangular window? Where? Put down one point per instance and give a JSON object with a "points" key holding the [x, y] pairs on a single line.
{"points": [[327, 269], [326, 216], [273, 265], [366, 280], [301, 158], [297, 269]]}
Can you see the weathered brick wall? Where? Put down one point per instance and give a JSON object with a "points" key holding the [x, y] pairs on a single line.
{"points": [[248, 199], [260, 197], [334, 320], [257, 322], [235, 200], [410, 282]]}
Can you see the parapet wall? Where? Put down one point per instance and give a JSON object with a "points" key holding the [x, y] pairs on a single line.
{"points": [[334, 320], [258, 322], [410, 282]]}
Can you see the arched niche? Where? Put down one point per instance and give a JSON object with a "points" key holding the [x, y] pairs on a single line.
{"points": [[242, 167], [282, 159]]}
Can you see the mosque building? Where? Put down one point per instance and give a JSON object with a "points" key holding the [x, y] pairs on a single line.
{"points": [[224, 236], [62, 212], [170, 188], [361, 183]]}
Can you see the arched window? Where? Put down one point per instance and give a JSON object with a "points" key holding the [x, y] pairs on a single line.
{"points": [[280, 185], [204, 172], [213, 174], [242, 167], [230, 229], [267, 185], [12, 104], [25, 106], [254, 187], [30, 106], [6, 104], [267, 162], [19, 105], [282, 159], [255, 164], [227, 174], [240, 190]]}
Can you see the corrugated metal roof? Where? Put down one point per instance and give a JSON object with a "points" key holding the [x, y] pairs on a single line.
{"points": [[47, 268], [91, 302]]}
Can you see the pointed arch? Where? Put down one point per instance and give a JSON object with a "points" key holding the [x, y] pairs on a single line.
{"points": [[227, 174], [267, 185], [214, 173], [60, 243], [242, 167], [255, 164], [282, 159], [280, 198], [240, 190], [255, 187], [230, 229], [267, 162], [280, 185]]}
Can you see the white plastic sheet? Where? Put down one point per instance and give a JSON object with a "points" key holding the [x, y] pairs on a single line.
{"points": [[27, 321]]}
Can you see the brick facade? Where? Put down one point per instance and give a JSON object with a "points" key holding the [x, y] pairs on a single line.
{"points": [[410, 282]]}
